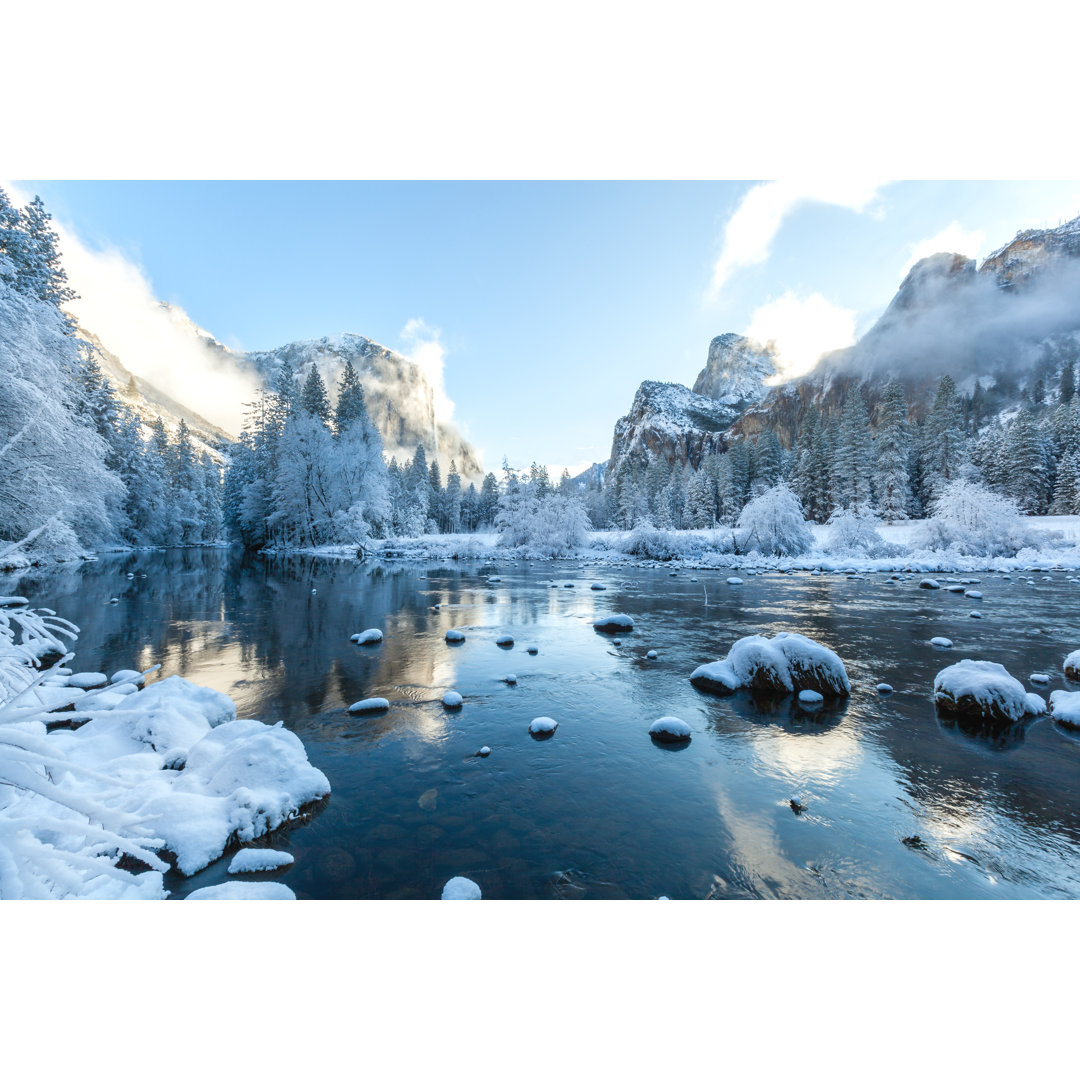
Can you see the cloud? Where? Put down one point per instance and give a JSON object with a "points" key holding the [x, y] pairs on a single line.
{"points": [[953, 238], [801, 330], [117, 303], [424, 347], [757, 219]]}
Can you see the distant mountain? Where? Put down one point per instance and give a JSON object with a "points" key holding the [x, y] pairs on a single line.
{"points": [[592, 477], [399, 397], [1003, 327]]}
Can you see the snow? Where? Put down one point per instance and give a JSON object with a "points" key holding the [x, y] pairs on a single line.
{"points": [[1065, 707], [1036, 705], [974, 614], [785, 664], [651, 654], [252, 860], [510, 680], [597, 587], [543, 725], [941, 642], [929, 583], [461, 888], [670, 729], [483, 751], [370, 705], [973, 594], [1071, 665], [128, 675], [452, 699], [810, 697], [454, 635], [884, 688], [244, 890], [612, 623], [983, 690], [1039, 678], [504, 640], [734, 580], [367, 637]]}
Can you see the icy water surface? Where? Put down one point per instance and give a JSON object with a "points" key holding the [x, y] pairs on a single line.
{"points": [[599, 810]]}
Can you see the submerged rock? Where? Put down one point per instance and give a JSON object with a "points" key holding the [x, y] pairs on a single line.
{"points": [[461, 888], [982, 690], [785, 664], [370, 705], [670, 729]]}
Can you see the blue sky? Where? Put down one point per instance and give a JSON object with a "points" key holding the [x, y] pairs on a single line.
{"points": [[547, 303]]}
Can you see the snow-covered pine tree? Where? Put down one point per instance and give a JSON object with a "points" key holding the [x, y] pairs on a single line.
{"points": [[1067, 489], [766, 459], [350, 407], [452, 500], [892, 448], [43, 278], [943, 448], [1028, 475], [489, 501], [313, 399], [853, 463]]}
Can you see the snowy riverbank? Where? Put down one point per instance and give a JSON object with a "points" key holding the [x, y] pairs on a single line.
{"points": [[104, 785], [1056, 546]]}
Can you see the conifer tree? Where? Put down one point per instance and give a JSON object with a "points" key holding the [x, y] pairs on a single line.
{"points": [[892, 448], [943, 448], [854, 455], [313, 399]]}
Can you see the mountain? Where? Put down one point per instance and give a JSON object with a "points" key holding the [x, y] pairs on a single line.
{"points": [[682, 425], [1001, 327], [399, 396]]}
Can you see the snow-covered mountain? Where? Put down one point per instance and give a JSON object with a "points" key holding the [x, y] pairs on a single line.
{"points": [[1006, 327], [683, 425], [400, 398]]}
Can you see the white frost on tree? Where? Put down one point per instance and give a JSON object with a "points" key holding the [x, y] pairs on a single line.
{"points": [[773, 524]]}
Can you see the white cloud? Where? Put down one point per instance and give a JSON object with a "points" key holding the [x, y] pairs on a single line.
{"points": [[953, 238], [424, 347], [757, 219], [118, 304], [801, 330]]}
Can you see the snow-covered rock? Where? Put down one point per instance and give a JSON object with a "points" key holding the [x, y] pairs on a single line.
{"points": [[981, 690], [88, 680], [253, 860], [1039, 678], [941, 642], [543, 725], [785, 664], [929, 583], [1065, 708], [614, 624], [461, 888], [597, 587], [651, 654], [452, 699], [973, 594], [532, 650], [884, 688], [1036, 705], [370, 705], [734, 580], [367, 637], [128, 675], [510, 680], [483, 751], [810, 697], [455, 636], [1071, 666], [974, 614], [670, 729], [244, 890], [504, 641]]}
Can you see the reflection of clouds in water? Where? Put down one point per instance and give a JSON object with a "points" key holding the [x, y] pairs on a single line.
{"points": [[820, 756]]}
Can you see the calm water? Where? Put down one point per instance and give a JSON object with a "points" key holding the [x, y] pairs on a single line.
{"points": [[599, 811]]}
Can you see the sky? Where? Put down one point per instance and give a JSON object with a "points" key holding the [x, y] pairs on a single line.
{"points": [[536, 308]]}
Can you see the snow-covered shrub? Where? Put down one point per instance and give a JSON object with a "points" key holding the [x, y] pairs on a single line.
{"points": [[773, 524], [969, 519], [854, 532], [548, 525], [648, 542]]}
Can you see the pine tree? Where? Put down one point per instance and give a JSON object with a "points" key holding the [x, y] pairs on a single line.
{"points": [[489, 501], [765, 461], [1067, 489], [44, 279], [943, 448], [350, 408], [452, 500], [1028, 470], [892, 448], [852, 464], [1068, 382], [313, 399]]}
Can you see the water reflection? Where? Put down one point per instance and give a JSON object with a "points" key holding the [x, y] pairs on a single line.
{"points": [[596, 810]]}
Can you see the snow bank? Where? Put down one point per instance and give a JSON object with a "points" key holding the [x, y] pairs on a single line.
{"points": [[461, 888], [1065, 708], [367, 637], [670, 729], [983, 690], [785, 664], [252, 860], [244, 890]]}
